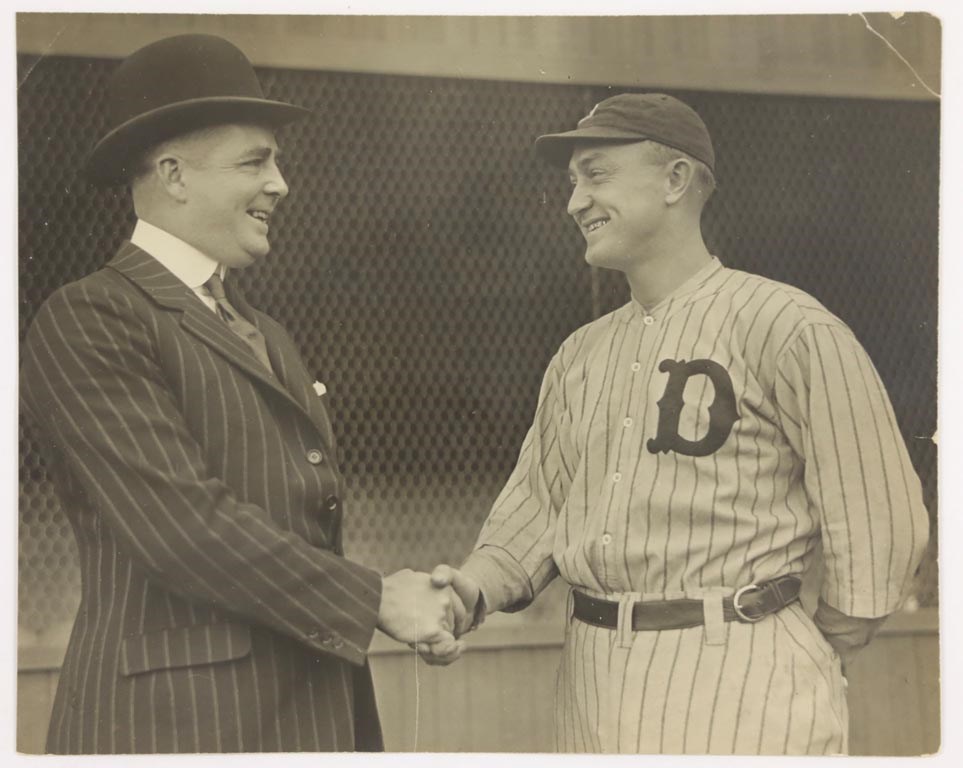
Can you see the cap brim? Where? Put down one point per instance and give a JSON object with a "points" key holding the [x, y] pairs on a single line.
{"points": [[112, 159], [556, 148]]}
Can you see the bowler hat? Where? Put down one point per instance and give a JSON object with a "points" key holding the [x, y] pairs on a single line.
{"points": [[631, 117], [174, 86]]}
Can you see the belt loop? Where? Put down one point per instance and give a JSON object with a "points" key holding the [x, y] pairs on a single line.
{"points": [[625, 631], [715, 624], [570, 605]]}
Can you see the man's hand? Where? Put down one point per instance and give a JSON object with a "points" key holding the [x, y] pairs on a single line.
{"points": [[846, 634], [414, 611], [446, 651], [442, 653], [466, 589]]}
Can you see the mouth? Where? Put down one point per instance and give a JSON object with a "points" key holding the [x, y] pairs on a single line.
{"points": [[594, 226], [264, 217]]}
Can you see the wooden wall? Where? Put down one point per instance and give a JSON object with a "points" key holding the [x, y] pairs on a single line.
{"points": [[872, 55], [498, 697]]}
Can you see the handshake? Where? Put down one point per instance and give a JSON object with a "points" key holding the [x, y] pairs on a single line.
{"points": [[429, 612]]}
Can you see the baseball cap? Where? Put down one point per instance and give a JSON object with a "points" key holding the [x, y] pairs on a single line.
{"points": [[634, 117]]}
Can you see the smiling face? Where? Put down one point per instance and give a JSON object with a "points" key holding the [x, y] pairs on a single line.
{"points": [[618, 201], [230, 186]]}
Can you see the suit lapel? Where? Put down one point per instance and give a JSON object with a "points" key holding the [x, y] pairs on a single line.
{"points": [[288, 365], [168, 291]]}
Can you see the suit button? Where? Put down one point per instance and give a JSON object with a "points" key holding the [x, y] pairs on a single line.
{"points": [[332, 502], [315, 456]]}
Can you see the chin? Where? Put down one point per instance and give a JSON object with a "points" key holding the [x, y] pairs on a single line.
{"points": [[238, 260], [253, 255], [603, 259]]}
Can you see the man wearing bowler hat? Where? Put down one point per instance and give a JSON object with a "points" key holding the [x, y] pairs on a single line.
{"points": [[194, 456], [689, 453]]}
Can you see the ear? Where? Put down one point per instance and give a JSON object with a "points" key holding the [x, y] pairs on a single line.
{"points": [[677, 180], [169, 168]]}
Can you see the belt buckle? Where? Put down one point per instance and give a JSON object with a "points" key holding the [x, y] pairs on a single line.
{"points": [[738, 609]]}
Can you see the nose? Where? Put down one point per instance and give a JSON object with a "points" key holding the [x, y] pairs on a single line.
{"points": [[579, 200], [276, 186]]}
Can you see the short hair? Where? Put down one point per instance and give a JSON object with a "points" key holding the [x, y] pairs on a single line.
{"points": [[142, 164], [704, 178]]}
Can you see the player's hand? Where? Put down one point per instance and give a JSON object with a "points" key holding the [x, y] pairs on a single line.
{"points": [[442, 653], [467, 590], [413, 610], [847, 635]]}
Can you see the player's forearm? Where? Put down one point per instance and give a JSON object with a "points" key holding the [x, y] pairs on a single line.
{"points": [[503, 582]]}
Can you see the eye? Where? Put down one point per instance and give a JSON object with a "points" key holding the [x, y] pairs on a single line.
{"points": [[595, 173]]}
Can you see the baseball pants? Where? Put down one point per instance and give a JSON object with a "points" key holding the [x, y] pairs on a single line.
{"points": [[774, 687]]}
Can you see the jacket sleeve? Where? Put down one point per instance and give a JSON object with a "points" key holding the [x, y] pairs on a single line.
{"points": [[858, 475], [91, 382]]}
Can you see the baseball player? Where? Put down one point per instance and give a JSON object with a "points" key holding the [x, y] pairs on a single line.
{"points": [[689, 453]]}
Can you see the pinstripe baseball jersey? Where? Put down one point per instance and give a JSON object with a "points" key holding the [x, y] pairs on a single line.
{"points": [[709, 443], [217, 611]]}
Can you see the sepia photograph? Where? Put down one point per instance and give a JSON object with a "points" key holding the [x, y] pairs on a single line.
{"points": [[530, 384]]}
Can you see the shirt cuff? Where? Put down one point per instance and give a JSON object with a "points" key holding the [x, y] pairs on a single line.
{"points": [[504, 584]]}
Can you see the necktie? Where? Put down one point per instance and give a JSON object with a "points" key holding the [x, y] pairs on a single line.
{"points": [[247, 331]]}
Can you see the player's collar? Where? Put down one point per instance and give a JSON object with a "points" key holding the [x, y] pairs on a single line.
{"points": [[702, 282]]}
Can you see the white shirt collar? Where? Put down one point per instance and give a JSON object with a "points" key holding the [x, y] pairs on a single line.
{"points": [[185, 262]]}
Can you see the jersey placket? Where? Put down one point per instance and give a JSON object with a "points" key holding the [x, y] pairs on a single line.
{"points": [[635, 369]]}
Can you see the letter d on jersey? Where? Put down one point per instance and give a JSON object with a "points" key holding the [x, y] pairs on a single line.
{"points": [[722, 411]]}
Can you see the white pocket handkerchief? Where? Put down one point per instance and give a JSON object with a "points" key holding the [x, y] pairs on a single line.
{"points": [[319, 388]]}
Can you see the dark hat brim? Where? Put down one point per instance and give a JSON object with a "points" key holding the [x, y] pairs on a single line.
{"points": [[556, 148], [115, 155]]}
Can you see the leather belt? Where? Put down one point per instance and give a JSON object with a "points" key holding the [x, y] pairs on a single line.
{"points": [[748, 605]]}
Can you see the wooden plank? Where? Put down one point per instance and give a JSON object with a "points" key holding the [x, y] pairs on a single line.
{"points": [[436, 730], [515, 670], [393, 678], [894, 697], [823, 55], [453, 689], [485, 702], [926, 659], [541, 700], [34, 702]]}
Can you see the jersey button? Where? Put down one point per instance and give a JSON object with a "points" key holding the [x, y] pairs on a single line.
{"points": [[607, 539], [636, 366], [627, 422], [648, 319], [616, 477], [332, 502], [315, 456]]}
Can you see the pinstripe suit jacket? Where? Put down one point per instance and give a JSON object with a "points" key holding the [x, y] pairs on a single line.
{"points": [[217, 610]]}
